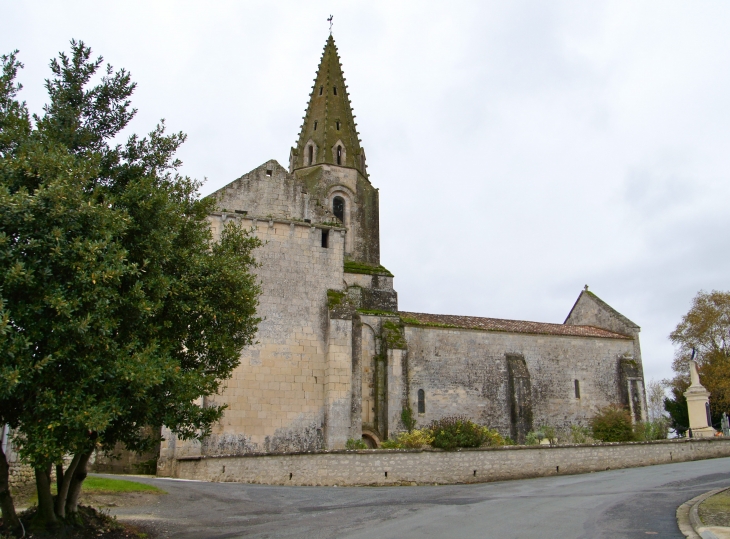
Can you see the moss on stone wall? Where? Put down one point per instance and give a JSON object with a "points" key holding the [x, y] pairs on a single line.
{"points": [[367, 269], [335, 298], [393, 335]]}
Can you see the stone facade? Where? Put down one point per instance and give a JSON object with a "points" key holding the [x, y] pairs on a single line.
{"points": [[336, 359], [428, 467]]}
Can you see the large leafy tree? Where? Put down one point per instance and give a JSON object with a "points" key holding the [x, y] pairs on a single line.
{"points": [[118, 311], [705, 333]]}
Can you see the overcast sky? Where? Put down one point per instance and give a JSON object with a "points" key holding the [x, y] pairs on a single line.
{"points": [[522, 149]]}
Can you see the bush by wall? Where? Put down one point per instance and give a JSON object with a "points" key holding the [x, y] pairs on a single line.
{"points": [[651, 430], [458, 431], [612, 424], [415, 439]]}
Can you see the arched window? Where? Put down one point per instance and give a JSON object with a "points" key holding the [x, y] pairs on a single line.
{"points": [[311, 154], [339, 155], [576, 383], [338, 208], [421, 401]]}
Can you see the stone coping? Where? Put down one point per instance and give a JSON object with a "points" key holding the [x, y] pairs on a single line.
{"points": [[382, 452]]}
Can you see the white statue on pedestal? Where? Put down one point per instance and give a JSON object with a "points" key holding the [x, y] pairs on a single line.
{"points": [[698, 405]]}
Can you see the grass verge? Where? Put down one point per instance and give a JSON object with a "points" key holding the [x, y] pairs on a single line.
{"points": [[715, 510]]}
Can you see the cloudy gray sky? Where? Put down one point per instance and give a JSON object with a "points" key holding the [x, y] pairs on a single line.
{"points": [[522, 149]]}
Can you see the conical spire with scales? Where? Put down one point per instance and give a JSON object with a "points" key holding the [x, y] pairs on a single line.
{"points": [[328, 134]]}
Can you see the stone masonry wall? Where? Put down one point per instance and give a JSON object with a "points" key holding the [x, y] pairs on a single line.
{"points": [[378, 467], [276, 397], [259, 193], [465, 372]]}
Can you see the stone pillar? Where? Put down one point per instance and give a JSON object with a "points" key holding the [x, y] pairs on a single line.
{"points": [[698, 405], [395, 391], [338, 384], [520, 397], [356, 398]]}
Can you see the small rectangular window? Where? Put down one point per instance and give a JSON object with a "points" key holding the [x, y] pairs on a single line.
{"points": [[334, 90], [577, 389], [269, 172], [325, 238]]}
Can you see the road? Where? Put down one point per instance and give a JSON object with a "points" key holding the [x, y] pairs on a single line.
{"points": [[632, 503]]}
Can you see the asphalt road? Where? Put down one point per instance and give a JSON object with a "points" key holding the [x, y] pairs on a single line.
{"points": [[632, 503]]}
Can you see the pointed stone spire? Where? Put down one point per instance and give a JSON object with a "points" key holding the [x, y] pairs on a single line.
{"points": [[328, 134]]}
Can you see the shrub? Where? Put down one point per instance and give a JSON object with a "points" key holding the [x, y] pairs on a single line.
{"points": [[509, 441], [406, 417], [612, 424], [545, 432], [355, 444], [549, 434], [532, 438], [415, 439], [458, 431], [651, 430], [580, 435]]}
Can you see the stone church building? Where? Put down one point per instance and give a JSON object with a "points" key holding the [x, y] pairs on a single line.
{"points": [[336, 359]]}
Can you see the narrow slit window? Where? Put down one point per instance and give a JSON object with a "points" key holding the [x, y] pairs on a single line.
{"points": [[334, 90], [315, 125], [338, 125], [311, 155], [421, 401], [338, 208], [321, 89], [339, 155], [577, 389], [325, 238]]}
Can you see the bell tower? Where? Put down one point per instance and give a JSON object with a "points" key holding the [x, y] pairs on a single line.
{"points": [[330, 162], [329, 132]]}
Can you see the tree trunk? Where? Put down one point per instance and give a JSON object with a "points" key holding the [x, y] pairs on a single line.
{"points": [[59, 476], [10, 519], [45, 517], [64, 483], [77, 479]]}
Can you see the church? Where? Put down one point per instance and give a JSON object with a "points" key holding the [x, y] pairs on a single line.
{"points": [[336, 359]]}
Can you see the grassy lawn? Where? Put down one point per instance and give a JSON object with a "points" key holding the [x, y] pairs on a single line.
{"points": [[93, 486], [101, 485], [715, 510]]}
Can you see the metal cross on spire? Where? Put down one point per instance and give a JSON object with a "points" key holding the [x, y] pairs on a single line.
{"points": [[330, 21]]}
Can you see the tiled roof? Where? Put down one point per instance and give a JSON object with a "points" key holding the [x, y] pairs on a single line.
{"points": [[510, 326]]}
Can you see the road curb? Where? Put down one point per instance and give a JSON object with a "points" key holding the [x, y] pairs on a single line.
{"points": [[688, 518]]}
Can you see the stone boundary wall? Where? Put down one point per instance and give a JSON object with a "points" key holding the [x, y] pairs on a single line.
{"points": [[20, 474], [419, 467]]}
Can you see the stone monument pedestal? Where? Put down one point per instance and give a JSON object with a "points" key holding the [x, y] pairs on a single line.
{"points": [[698, 405]]}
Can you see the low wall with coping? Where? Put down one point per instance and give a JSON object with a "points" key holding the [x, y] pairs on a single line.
{"points": [[429, 466]]}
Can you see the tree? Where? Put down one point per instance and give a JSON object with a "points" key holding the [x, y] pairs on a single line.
{"points": [[705, 333], [655, 396], [119, 312]]}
